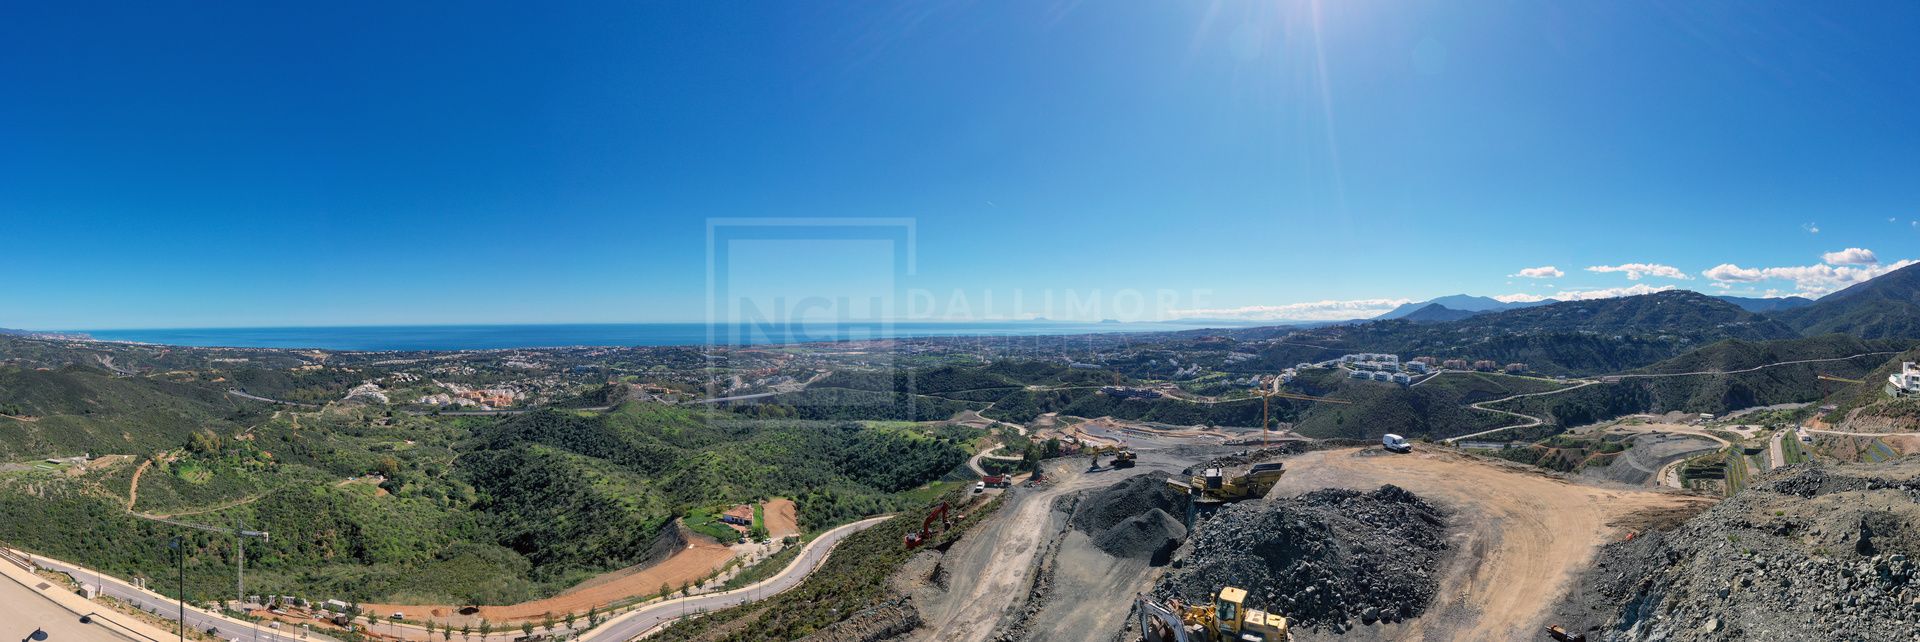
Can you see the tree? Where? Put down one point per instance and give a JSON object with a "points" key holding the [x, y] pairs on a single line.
{"points": [[547, 622], [429, 629], [593, 616], [526, 627], [665, 590], [466, 631], [570, 619], [485, 628]]}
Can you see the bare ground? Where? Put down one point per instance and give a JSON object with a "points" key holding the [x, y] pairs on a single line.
{"points": [[700, 556], [782, 518], [988, 574], [1522, 534]]}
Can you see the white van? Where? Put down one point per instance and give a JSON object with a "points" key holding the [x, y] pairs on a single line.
{"points": [[1396, 443]]}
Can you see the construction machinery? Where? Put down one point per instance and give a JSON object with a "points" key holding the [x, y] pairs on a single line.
{"points": [[1217, 486], [1267, 393], [1226, 619], [939, 515], [1214, 487], [1123, 457], [1560, 634]]}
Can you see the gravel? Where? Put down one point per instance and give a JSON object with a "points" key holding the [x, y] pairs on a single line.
{"points": [[1107, 507], [1805, 553], [1151, 535], [1324, 559]]}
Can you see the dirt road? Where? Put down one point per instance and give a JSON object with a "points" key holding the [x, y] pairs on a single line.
{"points": [[700, 557], [992, 568], [133, 488], [1522, 534]]}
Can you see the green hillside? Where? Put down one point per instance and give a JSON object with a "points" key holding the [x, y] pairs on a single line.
{"points": [[1718, 393], [79, 409], [1887, 306], [491, 509], [1434, 409], [1573, 337]]}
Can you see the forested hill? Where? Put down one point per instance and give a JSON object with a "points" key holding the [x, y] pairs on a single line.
{"points": [[1885, 307], [1572, 337], [79, 409], [1723, 377], [582, 490]]}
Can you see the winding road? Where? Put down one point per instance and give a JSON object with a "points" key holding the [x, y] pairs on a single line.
{"points": [[197, 619], [1532, 421], [646, 619]]}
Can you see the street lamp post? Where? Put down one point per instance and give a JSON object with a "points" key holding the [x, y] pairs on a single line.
{"points": [[179, 544]]}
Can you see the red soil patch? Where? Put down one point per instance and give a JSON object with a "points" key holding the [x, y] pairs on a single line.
{"points": [[702, 556], [781, 517]]}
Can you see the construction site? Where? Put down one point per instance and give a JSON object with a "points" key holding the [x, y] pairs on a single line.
{"points": [[1166, 535]]}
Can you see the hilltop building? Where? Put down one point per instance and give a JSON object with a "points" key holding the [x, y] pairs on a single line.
{"points": [[1904, 382]]}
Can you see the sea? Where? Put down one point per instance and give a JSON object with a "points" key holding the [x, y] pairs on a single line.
{"points": [[491, 337]]}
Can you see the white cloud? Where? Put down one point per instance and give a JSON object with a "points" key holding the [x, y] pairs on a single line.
{"points": [[1851, 256], [1636, 270], [1584, 295], [1329, 310], [1542, 272], [1810, 280], [1811, 228], [1609, 293], [1731, 272]]}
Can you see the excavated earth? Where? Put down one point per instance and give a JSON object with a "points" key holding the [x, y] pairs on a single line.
{"points": [[1326, 559], [1806, 553]]}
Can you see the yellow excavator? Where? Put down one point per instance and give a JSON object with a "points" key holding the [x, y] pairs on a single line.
{"points": [[1227, 619], [1123, 456]]}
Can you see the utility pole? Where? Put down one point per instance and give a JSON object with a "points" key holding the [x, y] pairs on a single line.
{"points": [[178, 544]]}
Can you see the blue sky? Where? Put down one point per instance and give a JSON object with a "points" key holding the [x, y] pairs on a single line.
{"points": [[239, 164]]}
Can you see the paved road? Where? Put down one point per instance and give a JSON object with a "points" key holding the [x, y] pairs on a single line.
{"points": [[646, 619], [1762, 367], [1530, 422], [243, 394], [196, 619], [22, 609], [974, 463]]}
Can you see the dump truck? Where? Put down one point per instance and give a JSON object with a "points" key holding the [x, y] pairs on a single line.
{"points": [[1226, 619]]}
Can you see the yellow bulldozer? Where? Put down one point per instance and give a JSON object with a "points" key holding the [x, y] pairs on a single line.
{"points": [[1227, 619]]}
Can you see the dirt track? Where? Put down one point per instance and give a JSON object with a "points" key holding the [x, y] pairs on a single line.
{"points": [[701, 556], [1524, 534], [993, 567]]}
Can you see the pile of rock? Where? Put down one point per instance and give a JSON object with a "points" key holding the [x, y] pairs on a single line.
{"points": [[1323, 559], [1135, 518], [1807, 554]]}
